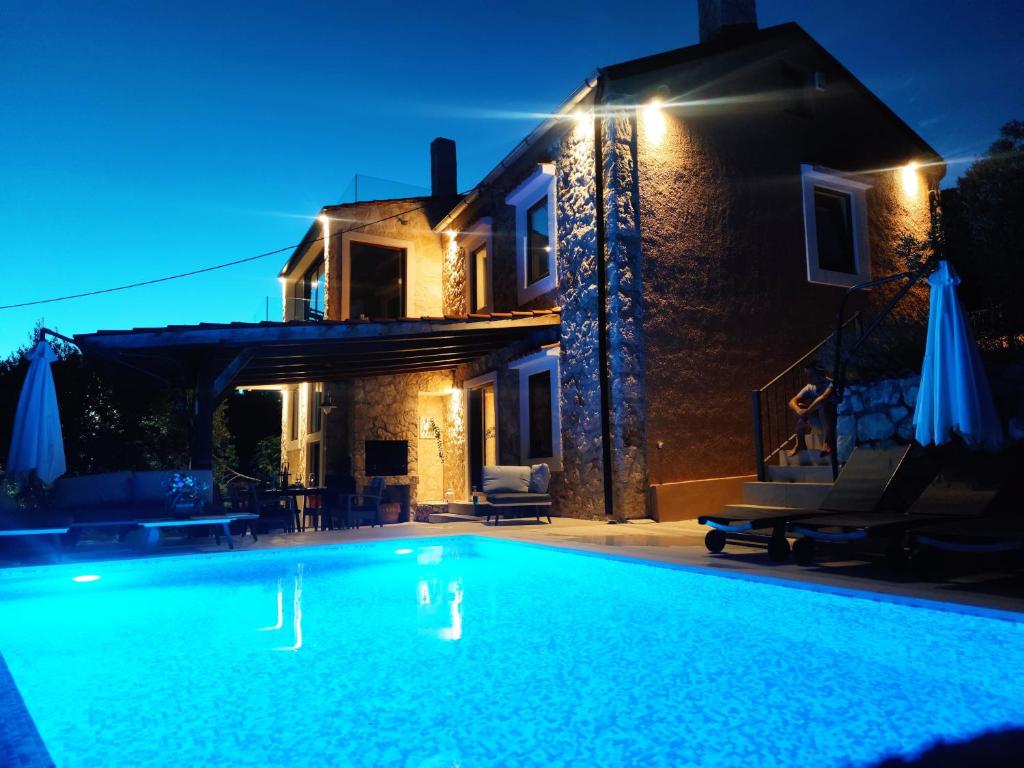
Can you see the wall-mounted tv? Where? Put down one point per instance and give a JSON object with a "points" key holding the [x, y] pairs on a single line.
{"points": [[387, 457]]}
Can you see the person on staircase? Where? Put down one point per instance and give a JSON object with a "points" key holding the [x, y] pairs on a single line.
{"points": [[813, 408]]}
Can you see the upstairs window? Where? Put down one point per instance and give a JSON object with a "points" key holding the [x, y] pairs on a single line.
{"points": [[376, 281], [308, 293], [476, 244], [538, 245], [293, 413], [835, 227], [536, 229]]}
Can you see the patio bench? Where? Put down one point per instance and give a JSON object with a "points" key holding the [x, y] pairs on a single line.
{"points": [[513, 491], [153, 527]]}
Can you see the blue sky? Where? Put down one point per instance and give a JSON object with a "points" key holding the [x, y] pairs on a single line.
{"points": [[140, 139]]}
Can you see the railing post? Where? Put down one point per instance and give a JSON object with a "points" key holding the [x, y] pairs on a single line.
{"points": [[755, 401]]}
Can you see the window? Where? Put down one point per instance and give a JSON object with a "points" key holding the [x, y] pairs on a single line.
{"points": [[316, 398], [539, 422], [376, 279], [538, 391], [538, 245], [536, 239], [835, 227], [834, 230], [293, 413], [476, 243], [478, 279], [312, 287]]}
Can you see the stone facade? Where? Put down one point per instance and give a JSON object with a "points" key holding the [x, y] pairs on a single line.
{"points": [[876, 414]]}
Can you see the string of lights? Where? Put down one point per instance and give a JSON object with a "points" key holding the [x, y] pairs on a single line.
{"points": [[203, 270]]}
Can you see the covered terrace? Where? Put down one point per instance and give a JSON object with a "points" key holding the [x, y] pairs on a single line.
{"points": [[213, 359]]}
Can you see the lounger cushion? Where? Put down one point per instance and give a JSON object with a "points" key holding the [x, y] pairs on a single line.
{"points": [[498, 499], [506, 479], [109, 490], [540, 476]]}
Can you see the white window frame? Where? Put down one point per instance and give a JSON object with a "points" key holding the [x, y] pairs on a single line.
{"points": [[856, 188], [480, 233], [540, 183], [544, 360], [481, 381], [409, 298], [291, 308]]}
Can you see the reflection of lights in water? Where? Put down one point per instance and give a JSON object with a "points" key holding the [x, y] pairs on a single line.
{"points": [[430, 555], [403, 551], [296, 611], [454, 632], [280, 609], [423, 592], [85, 578]]}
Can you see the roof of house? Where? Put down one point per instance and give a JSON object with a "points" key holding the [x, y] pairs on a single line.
{"points": [[676, 57]]}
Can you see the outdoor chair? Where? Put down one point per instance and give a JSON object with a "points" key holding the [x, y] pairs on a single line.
{"points": [[365, 506], [272, 512], [514, 491], [864, 483]]}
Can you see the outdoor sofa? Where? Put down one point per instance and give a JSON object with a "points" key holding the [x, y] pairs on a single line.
{"points": [[512, 491]]}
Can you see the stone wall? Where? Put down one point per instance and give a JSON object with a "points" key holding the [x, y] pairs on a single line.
{"points": [[579, 488], [876, 414], [387, 408], [727, 302]]}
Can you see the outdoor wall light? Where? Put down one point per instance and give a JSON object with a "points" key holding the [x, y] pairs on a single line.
{"points": [[654, 121], [909, 178]]}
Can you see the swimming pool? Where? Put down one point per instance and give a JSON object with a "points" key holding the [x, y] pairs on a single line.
{"points": [[466, 651]]}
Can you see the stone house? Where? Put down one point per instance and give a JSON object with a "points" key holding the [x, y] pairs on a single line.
{"points": [[693, 217]]}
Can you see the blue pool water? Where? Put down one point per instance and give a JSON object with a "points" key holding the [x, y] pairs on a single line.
{"points": [[463, 651]]}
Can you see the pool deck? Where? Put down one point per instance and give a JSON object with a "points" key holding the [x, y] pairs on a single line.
{"points": [[677, 543]]}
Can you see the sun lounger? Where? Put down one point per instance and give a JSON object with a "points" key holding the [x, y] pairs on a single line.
{"points": [[941, 502], [861, 486]]}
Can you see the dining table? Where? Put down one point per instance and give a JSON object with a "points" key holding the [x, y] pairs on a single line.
{"points": [[291, 494]]}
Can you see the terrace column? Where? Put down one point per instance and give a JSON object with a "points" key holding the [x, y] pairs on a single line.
{"points": [[212, 385]]}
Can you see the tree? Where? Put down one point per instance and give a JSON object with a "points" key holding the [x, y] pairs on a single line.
{"points": [[984, 225]]}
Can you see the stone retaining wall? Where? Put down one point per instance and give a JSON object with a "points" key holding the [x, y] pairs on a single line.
{"points": [[879, 414]]}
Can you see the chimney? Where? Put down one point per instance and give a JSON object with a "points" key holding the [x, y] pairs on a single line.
{"points": [[719, 18], [443, 177]]}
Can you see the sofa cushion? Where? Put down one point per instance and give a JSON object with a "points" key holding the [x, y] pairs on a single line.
{"points": [[151, 487], [499, 499], [112, 489], [540, 476], [507, 479]]}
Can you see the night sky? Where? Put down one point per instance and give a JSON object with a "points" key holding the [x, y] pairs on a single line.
{"points": [[140, 139]]}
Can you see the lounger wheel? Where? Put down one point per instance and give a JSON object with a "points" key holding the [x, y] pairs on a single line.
{"points": [[803, 551], [714, 541], [778, 549]]}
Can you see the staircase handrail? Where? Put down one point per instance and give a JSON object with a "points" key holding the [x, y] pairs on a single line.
{"points": [[759, 396], [841, 360]]}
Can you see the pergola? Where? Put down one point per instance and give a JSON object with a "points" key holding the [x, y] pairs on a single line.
{"points": [[212, 359]]}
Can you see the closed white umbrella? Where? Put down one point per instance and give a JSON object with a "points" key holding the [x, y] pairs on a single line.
{"points": [[37, 443], [954, 397]]}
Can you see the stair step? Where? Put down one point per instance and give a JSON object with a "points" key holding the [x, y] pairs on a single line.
{"points": [[454, 517], [798, 474], [461, 507], [809, 458], [801, 495], [764, 509]]}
